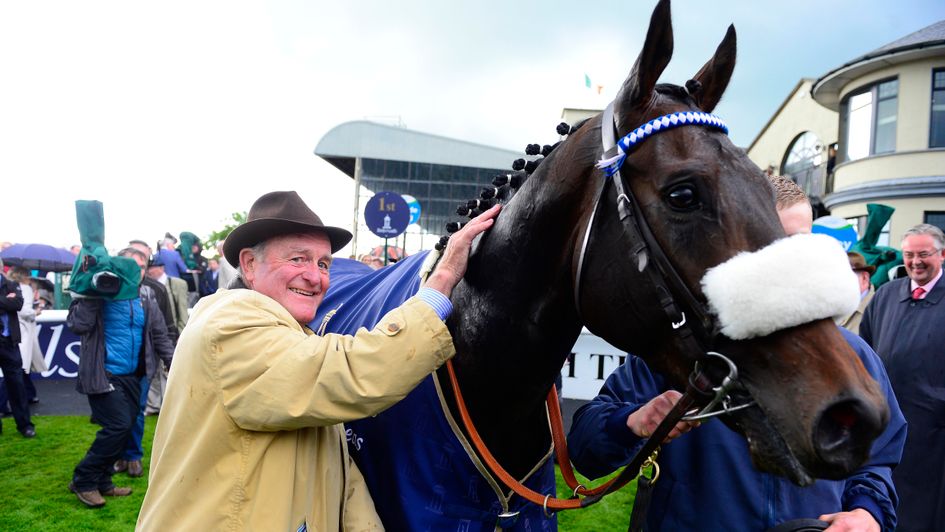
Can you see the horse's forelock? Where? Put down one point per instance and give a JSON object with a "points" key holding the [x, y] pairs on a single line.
{"points": [[674, 91]]}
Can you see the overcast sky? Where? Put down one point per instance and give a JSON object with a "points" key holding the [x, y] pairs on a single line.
{"points": [[176, 114]]}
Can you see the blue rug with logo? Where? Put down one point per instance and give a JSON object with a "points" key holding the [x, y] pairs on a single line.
{"points": [[421, 473]]}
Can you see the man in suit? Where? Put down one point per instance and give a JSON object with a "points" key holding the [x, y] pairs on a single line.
{"points": [[11, 301], [903, 323]]}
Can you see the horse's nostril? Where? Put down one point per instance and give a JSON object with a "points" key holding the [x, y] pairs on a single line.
{"points": [[844, 416], [843, 434]]}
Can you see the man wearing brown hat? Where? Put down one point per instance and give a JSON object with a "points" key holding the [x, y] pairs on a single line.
{"points": [[250, 435], [863, 273]]}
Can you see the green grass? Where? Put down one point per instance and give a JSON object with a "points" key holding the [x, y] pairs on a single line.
{"points": [[612, 513], [35, 474]]}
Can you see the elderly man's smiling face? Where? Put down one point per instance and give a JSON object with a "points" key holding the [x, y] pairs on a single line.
{"points": [[292, 270], [922, 258]]}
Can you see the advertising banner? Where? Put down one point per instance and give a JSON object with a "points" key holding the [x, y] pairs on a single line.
{"points": [[591, 360]]}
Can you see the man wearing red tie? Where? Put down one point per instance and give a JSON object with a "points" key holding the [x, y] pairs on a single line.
{"points": [[905, 324]]}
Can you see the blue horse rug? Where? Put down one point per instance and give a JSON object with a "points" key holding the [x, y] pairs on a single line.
{"points": [[422, 473]]}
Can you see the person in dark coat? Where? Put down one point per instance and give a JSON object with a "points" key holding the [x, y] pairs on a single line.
{"points": [[707, 480], [11, 301], [905, 324], [122, 343]]}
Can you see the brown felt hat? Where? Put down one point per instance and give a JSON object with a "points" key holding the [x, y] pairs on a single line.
{"points": [[858, 263], [276, 214]]}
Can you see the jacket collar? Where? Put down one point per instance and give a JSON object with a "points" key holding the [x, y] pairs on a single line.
{"points": [[933, 297]]}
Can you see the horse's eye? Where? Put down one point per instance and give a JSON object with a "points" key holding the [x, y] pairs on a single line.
{"points": [[683, 197]]}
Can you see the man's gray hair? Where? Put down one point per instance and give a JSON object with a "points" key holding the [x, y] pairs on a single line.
{"points": [[129, 251], [259, 250], [927, 229]]}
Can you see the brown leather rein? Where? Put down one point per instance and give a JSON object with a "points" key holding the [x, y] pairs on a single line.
{"points": [[698, 391]]}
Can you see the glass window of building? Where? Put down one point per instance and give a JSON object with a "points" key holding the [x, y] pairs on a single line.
{"points": [[937, 122], [802, 163], [859, 223], [936, 218], [868, 120]]}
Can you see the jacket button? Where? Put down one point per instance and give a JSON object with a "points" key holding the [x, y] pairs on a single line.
{"points": [[393, 327]]}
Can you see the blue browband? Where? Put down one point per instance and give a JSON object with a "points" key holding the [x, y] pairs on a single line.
{"points": [[612, 165]]}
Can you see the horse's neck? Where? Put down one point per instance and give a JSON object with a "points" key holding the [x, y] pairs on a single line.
{"points": [[515, 319], [515, 307]]}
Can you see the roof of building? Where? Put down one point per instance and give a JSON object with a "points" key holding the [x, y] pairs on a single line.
{"points": [[370, 140], [926, 42]]}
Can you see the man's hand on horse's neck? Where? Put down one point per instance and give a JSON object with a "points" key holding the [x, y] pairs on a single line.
{"points": [[452, 266]]}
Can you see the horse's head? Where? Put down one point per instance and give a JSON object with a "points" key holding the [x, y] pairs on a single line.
{"points": [[705, 202]]}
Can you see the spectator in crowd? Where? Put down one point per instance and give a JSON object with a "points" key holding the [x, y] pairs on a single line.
{"points": [[29, 338], [160, 292], [793, 207], [863, 273], [43, 289], [251, 435], [176, 291], [213, 276], [11, 363], [177, 300], [227, 273], [725, 492], [174, 264], [121, 344], [75, 249], [202, 271], [904, 323]]}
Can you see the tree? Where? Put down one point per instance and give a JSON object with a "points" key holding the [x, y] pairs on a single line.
{"points": [[219, 236]]}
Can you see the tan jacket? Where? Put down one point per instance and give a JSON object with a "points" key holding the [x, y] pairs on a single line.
{"points": [[249, 437], [852, 322], [177, 291]]}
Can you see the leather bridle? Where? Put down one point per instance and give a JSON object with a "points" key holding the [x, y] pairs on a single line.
{"points": [[695, 332]]}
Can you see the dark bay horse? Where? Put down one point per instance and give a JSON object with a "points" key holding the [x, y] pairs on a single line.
{"points": [[517, 313]]}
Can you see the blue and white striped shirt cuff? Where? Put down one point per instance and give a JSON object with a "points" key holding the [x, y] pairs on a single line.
{"points": [[440, 303]]}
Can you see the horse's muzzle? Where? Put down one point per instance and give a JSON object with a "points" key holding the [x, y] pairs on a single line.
{"points": [[844, 433]]}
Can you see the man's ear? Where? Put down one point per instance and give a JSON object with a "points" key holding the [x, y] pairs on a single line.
{"points": [[248, 266]]}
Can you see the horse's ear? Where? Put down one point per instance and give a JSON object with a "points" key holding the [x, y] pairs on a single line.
{"points": [[715, 74], [657, 51]]}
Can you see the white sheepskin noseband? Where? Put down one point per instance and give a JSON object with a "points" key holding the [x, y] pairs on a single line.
{"points": [[791, 281]]}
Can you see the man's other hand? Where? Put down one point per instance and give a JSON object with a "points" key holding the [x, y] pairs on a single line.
{"points": [[856, 520], [645, 420]]}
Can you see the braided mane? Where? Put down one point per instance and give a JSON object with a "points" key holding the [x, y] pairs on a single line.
{"points": [[504, 185]]}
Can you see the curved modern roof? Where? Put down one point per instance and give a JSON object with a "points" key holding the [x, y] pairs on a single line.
{"points": [[370, 140], [927, 42]]}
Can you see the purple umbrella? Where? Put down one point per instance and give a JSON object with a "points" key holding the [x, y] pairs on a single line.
{"points": [[38, 257]]}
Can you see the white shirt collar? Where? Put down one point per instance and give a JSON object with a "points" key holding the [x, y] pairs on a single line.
{"points": [[927, 286]]}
